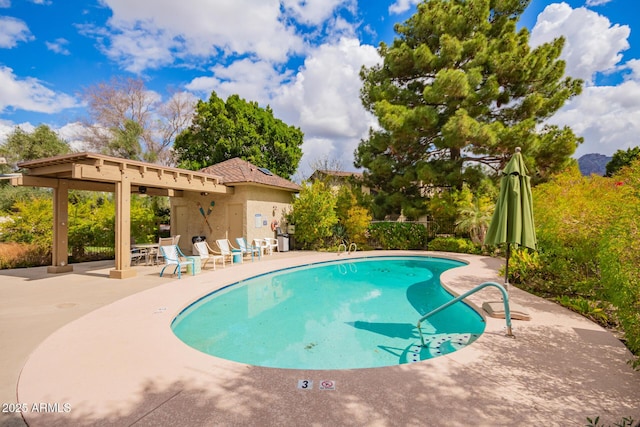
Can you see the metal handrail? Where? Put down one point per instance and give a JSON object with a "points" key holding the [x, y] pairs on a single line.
{"points": [[505, 298], [355, 247], [341, 246]]}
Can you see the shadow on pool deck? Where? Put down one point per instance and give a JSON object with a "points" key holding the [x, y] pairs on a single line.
{"points": [[559, 370]]}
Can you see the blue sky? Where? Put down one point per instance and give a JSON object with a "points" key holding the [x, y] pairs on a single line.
{"points": [[301, 57]]}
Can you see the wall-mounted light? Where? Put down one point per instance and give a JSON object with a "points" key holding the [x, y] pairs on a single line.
{"points": [[204, 193], [142, 189]]}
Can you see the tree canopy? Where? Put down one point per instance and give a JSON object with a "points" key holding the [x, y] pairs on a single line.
{"points": [[21, 146], [458, 90], [128, 120], [620, 159], [236, 128]]}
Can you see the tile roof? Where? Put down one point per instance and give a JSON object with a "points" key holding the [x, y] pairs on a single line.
{"points": [[238, 171]]}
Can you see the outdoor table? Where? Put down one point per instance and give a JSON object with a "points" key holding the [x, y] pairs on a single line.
{"points": [[197, 265], [149, 248]]}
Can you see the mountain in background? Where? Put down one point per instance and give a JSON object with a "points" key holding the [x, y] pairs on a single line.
{"points": [[593, 164]]}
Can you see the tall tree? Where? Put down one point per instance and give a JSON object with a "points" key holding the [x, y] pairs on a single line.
{"points": [[114, 104], [457, 91], [21, 146], [236, 128], [125, 142], [620, 159]]}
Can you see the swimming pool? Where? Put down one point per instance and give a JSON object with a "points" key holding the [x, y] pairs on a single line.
{"points": [[356, 313]]}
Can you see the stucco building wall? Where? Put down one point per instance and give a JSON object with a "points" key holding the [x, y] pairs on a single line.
{"points": [[249, 212]]}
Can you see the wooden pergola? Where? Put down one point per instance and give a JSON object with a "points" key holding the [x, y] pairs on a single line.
{"points": [[95, 172]]}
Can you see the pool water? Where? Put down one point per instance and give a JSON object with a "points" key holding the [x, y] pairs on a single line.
{"points": [[357, 313]]}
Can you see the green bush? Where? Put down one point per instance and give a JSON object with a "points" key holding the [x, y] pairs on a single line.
{"points": [[589, 247], [398, 235], [619, 258], [522, 263], [91, 225], [314, 215], [454, 244]]}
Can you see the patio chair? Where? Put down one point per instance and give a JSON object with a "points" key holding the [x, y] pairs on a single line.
{"points": [[174, 256], [227, 250], [138, 254], [248, 249], [206, 254], [176, 239], [260, 243], [271, 245], [163, 241]]}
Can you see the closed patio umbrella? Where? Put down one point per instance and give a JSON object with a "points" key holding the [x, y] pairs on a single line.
{"points": [[512, 221]]}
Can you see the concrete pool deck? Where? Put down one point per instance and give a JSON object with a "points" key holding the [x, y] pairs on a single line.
{"points": [[86, 363]]}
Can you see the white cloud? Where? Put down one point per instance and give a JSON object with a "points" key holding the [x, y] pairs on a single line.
{"points": [[592, 45], [59, 46], [138, 49], [195, 29], [597, 2], [30, 94], [12, 31], [324, 101], [634, 66], [401, 6], [73, 134], [608, 117], [314, 12], [252, 80], [322, 98]]}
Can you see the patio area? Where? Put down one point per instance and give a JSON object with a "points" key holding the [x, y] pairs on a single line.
{"points": [[97, 351]]}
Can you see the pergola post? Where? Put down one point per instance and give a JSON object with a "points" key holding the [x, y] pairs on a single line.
{"points": [[123, 268], [96, 172], [60, 249]]}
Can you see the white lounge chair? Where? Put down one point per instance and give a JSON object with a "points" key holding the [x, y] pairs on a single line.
{"points": [[174, 256], [207, 254], [227, 250], [247, 249]]}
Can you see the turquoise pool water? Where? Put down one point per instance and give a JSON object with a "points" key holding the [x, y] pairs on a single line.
{"points": [[356, 313]]}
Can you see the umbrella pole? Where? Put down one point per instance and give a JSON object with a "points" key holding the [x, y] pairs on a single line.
{"points": [[506, 269]]}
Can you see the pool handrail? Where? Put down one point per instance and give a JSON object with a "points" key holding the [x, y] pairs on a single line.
{"points": [[505, 298], [352, 248]]}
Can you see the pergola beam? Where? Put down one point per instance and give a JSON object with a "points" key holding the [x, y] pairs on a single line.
{"points": [[95, 172]]}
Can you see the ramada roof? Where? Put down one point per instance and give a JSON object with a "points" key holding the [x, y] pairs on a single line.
{"points": [[237, 172]]}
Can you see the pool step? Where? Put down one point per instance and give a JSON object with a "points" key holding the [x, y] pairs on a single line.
{"points": [[439, 345]]}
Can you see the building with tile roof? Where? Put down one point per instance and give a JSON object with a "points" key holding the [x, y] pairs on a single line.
{"points": [[231, 199], [253, 207]]}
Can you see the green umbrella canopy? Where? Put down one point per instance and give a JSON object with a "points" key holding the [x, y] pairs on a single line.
{"points": [[512, 221]]}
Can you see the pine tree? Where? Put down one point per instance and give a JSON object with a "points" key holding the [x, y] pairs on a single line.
{"points": [[458, 90]]}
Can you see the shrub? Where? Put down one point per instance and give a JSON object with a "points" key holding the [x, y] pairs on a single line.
{"points": [[619, 258], [454, 244], [20, 255], [398, 235], [523, 263], [314, 215], [589, 247]]}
